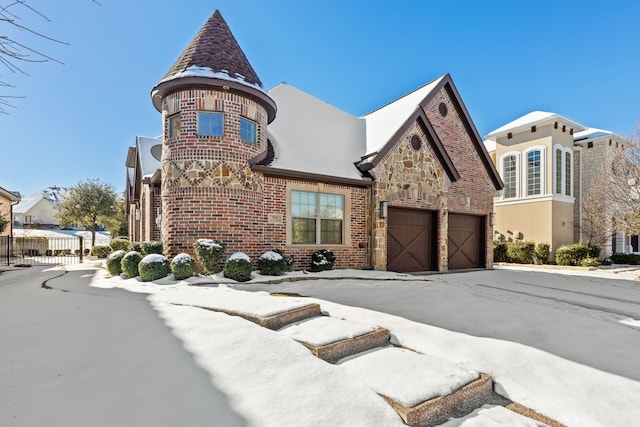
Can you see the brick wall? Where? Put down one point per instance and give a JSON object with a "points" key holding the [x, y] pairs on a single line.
{"points": [[355, 252], [473, 192], [208, 189]]}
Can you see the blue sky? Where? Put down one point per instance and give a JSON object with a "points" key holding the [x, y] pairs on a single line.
{"points": [[579, 59]]}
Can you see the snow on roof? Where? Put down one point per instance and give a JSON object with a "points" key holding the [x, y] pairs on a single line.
{"points": [[530, 119], [310, 135], [197, 71], [591, 133], [149, 163], [489, 145], [14, 196], [52, 195], [384, 122]]}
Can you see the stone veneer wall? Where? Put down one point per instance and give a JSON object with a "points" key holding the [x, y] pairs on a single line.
{"points": [[208, 189], [413, 179], [355, 253], [473, 192]]}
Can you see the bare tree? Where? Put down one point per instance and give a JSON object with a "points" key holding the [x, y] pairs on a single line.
{"points": [[17, 52], [613, 200]]}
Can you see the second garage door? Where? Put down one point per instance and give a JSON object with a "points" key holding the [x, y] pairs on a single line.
{"points": [[411, 240], [466, 241]]}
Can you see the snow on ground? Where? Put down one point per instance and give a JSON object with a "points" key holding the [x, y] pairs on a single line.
{"points": [[272, 380], [492, 416]]}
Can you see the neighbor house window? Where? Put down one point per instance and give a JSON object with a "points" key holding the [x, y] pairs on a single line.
{"points": [[567, 172], [210, 124], [558, 171], [510, 176], [534, 172], [247, 130], [174, 126], [317, 218]]}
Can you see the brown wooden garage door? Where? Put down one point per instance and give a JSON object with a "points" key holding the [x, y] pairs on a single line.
{"points": [[411, 240], [466, 242]]}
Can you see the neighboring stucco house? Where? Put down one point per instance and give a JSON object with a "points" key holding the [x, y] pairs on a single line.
{"points": [[8, 200], [408, 187], [36, 210], [548, 164]]}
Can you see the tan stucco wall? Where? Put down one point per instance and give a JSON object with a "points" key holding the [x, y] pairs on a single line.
{"points": [[540, 222], [5, 211]]}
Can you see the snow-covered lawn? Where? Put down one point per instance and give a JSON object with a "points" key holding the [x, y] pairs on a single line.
{"points": [[272, 380]]}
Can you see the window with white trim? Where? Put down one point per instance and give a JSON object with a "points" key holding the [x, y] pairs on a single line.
{"points": [[558, 174], [567, 171], [534, 172], [510, 176], [317, 218], [563, 171]]}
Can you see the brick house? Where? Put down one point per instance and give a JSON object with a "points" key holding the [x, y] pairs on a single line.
{"points": [[408, 187], [548, 164]]}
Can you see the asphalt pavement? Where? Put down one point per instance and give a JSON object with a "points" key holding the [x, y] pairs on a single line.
{"points": [[73, 355]]}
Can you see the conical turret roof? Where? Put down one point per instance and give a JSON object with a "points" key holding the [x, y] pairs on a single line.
{"points": [[216, 48], [213, 58]]}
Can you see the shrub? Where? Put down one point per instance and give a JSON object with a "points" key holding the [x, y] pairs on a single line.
{"points": [[86, 251], [571, 254], [77, 251], [288, 259], [183, 266], [153, 267], [208, 253], [324, 259], [238, 267], [114, 262], [521, 252], [542, 252], [136, 247], [130, 263], [594, 251], [272, 263], [100, 251], [120, 244], [620, 258], [499, 251], [589, 262], [151, 247]]}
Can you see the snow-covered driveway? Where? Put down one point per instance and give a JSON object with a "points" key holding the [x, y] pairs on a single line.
{"points": [[590, 319]]}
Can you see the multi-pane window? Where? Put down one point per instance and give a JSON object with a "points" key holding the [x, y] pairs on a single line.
{"points": [[558, 171], [534, 172], [316, 218], [210, 124], [247, 130], [567, 172], [174, 126], [510, 176]]}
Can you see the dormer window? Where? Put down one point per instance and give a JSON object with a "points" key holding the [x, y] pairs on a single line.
{"points": [[210, 124], [247, 130]]}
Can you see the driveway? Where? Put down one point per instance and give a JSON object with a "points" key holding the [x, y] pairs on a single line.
{"points": [[575, 317], [74, 355]]}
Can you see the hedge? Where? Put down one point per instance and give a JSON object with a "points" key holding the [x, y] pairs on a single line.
{"points": [[238, 267], [324, 259], [183, 266], [130, 263], [208, 253], [153, 267], [114, 262]]}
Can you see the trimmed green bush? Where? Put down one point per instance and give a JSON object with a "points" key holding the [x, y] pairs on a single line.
{"points": [[86, 251], [238, 267], [288, 259], [620, 258], [130, 263], [183, 266], [153, 267], [151, 247], [136, 247], [589, 262], [499, 251], [571, 254], [114, 262], [100, 251], [542, 252], [521, 252], [324, 259], [594, 251], [272, 263], [208, 253], [120, 244]]}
